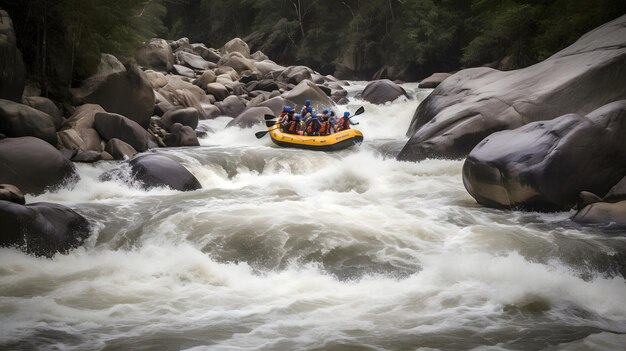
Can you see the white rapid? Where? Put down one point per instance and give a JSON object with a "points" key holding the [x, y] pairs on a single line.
{"points": [[300, 250]]}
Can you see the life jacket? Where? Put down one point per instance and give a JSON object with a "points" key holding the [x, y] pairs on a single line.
{"points": [[344, 123], [325, 128], [292, 127], [313, 125]]}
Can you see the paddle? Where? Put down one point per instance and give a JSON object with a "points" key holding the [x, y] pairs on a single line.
{"points": [[269, 121], [358, 111]]}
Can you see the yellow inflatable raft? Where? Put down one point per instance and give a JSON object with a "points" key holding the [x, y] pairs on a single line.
{"points": [[332, 142]]}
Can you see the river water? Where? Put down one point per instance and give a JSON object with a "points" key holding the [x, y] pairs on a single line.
{"points": [[300, 250]]}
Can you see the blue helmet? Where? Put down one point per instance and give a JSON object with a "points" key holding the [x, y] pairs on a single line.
{"points": [[325, 111], [346, 114], [307, 102], [287, 108], [309, 108]]}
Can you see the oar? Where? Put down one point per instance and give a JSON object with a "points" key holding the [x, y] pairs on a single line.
{"points": [[269, 121], [358, 111]]}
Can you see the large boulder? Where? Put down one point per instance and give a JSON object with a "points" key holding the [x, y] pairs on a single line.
{"points": [[545, 165], [275, 104], [433, 80], [237, 45], [207, 77], [157, 80], [193, 61], [250, 117], [381, 91], [83, 139], [34, 165], [112, 125], [156, 54], [47, 106], [17, 120], [186, 116], [267, 66], [473, 103], [208, 54], [181, 93], [153, 170], [12, 73], [308, 90], [184, 71], [83, 116], [603, 213], [218, 91], [236, 61], [232, 106], [127, 93], [119, 150], [42, 228], [9, 192], [181, 136], [295, 74]]}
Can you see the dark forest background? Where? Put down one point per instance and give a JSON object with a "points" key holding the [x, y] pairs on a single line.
{"points": [[61, 40]]}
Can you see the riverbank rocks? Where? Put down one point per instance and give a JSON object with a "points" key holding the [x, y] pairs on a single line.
{"points": [[194, 61], [237, 45], [208, 54], [381, 91], [47, 106], [181, 135], [42, 228], [83, 116], [186, 116], [295, 74], [153, 170], [157, 55], [250, 117], [112, 125], [232, 106], [433, 80], [83, 139], [119, 150], [236, 61], [545, 165], [307, 90], [127, 93], [33, 165], [17, 120], [12, 73], [473, 103], [217, 90]]}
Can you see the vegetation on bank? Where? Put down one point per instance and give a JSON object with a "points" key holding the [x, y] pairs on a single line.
{"points": [[61, 40]]}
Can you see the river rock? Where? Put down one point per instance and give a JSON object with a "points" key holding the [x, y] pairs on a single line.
{"points": [[259, 56], [112, 125], [9, 192], [181, 136], [473, 103], [119, 150], [208, 54], [84, 139], [275, 104], [603, 213], [250, 117], [617, 192], [237, 45], [381, 91], [156, 79], [184, 71], [236, 61], [127, 93], [181, 93], [210, 111], [545, 165], [295, 74], [181, 44], [186, 116], [433, 80], [109, 64], [157, 55], [42, 228], [232, 106], [12, 73], [47, 106], [218, 90], [83, 116], [267, 66], [86, 156], [33, 165], [207, 77], [154, 170], [17, 120], [193, 61], [308, 90]]}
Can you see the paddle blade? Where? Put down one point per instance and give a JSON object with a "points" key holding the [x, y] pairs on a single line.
{"points": [[359, 111], [268, 117], [259, 135], [270, 120]]}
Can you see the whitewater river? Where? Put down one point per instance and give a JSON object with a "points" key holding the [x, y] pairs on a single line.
{"points": [[300, 250]]}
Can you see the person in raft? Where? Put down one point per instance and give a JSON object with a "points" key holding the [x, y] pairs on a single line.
{"points": [[313, 125], [286, 119], [307, 104], [345, 122], [325, 123]]}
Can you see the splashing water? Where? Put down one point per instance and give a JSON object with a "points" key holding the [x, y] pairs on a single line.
{"points": [[288, 249]]}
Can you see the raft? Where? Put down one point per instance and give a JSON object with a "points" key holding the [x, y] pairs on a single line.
{"points": [[332, 142]]}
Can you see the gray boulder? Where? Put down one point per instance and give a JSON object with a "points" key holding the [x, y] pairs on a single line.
{"points": [[603, 213], [184, 71], [250, 117], [232, 106], [194, 61], [17, 120], [381, 91], [112, 125], [153, 170], [208, 54], [295, 74], [308, 90], [119, 150], [207, 77], [181, 136], [473, 103], [86, 156], [210, 111], [12, 73], [237, 45], [84, 139], [433, 80], [83, 116], [9, 192], [127, 93], [275, 104], [156, 54], [34, 165], [45, 105], [236, 61], [218, 90], [545, 165], [156, 79], [42, 228], [186, 116]]}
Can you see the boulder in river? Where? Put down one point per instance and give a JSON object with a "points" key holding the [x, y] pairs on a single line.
{"points": [[181, 135], [119, 150], [381, 91], [47, 106], [186, 116], [9, 192], [232, 106], [433, 80], [250, 117], [17, 120], [154, 170], [603, 213], [545, 165], [156, 54], [12, 73], [237, 61], [295, 74], [307, 90], [194, 61], [473, 103], [112, 125], [237, 45], [34, 165], [42, 228], [84, 139]]}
